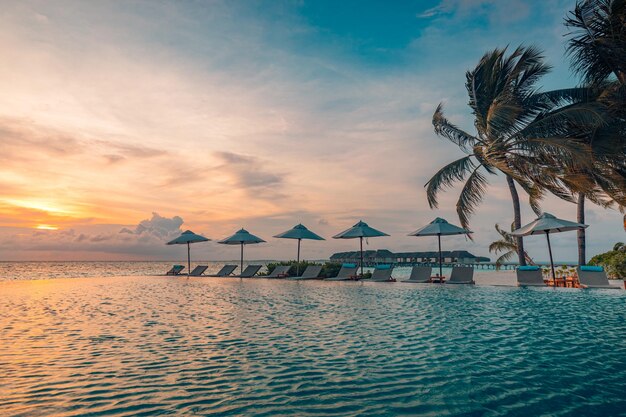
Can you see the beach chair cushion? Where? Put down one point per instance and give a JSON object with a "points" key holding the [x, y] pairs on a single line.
{"points": [[225, 271], [593, 279], [420, 274], [280, 271], [528, 268], [530, 277], [345, 273], [198, 270], [311, 272], [591, 268], [461, 275], [176, 269], [382, 274], [250, 271]]}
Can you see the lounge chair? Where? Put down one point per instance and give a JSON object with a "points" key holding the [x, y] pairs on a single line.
{"points": [[176, 269], [593, 277], [530, 276], [382, 273], [420, 274], [226, 270], [346, 273], [250, 271], [461, 275], [311, 272], [198, 270], [280, 271]]}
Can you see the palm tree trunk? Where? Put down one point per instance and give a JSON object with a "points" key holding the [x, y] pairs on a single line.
{"points": [[580, 218], [517, 222]]}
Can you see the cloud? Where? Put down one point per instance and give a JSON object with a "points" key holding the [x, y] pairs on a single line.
{"points": [[249, 172], [145, 240], [159, 226], [496, 10]]}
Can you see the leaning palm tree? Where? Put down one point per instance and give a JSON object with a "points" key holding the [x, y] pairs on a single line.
{"points": [[507, 245], [519, 133], [597, 47]]}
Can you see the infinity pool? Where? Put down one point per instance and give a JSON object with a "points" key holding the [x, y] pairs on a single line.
{"points": [[144, 346]]}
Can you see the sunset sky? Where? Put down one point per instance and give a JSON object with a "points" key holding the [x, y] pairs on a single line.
{"points": [[124, 123]]}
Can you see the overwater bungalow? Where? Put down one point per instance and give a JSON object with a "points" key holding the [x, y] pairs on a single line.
{"points": [[384, 256]]}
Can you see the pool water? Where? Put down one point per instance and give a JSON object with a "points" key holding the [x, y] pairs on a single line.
{"points": [[144, 346]]}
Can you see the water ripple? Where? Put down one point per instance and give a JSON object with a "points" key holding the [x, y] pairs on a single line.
{"points": [[138, 346]]}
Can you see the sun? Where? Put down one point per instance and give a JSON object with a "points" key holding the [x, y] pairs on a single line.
{"points": [[46, 227]]}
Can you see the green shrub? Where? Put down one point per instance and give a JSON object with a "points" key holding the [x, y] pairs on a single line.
{"points": [[330, 269], [614, 261]]}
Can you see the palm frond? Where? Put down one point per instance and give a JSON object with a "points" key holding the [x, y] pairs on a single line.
{"points": [[447, 176], [597, 41], [444, 128], [471, 196], [505, 257]]}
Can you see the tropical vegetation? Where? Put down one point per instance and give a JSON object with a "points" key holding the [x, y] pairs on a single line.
{"points": [[614, 261], [597, 48], [569, 142], [507, 245]]}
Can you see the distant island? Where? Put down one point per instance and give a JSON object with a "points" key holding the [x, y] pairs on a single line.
{"points": [[385, 256]]}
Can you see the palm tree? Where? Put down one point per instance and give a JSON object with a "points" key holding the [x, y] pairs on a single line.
{"points": [[597, 42], [508, 245], [519, 133], [597, 47]]}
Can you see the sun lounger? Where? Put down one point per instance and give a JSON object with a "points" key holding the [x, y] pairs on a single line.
{"points": [[281, 271], [420, 274], [250, 271], [176, 269], [346, 273], [530, 276], [198, 270], [593, 277], [311, 272], [226, 270], [461, 275], [382, 273]]}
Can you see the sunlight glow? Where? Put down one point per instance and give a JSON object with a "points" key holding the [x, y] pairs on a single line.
{"points": [[46, 227], [42, 205]]}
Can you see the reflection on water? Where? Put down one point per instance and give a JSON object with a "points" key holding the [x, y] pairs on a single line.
{"points": [[154, 345]]}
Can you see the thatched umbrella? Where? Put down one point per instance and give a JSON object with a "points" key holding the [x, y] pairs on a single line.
{"points": [[242, 237], [186, 238], [360, 230], [440, 227], [544, 225], [299, 232]]}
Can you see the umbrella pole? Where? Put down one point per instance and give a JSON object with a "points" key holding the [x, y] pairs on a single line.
{"points": [[440, 261], [361, 239], [298, 264], [241, 264], [188, 260], [551, 261]]}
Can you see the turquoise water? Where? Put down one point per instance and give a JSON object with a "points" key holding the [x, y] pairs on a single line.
{"points": [[134, 346]]}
